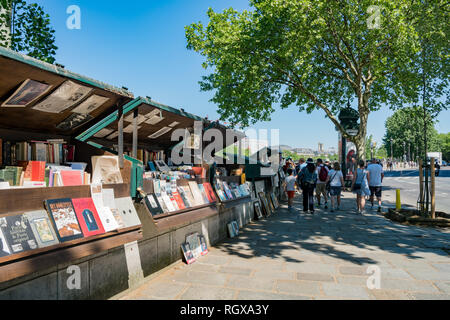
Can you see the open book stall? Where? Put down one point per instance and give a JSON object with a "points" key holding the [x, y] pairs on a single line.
{"points": [[51, 211]]}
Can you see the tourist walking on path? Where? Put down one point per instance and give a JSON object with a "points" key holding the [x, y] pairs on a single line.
{"points": [[376, 179], [360, 186], [336, 181], [307, 180], [290, 187], [301, 164], [322, 175]]}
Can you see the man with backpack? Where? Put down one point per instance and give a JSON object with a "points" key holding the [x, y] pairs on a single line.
{"points": [[307, 180], [322, 175]]}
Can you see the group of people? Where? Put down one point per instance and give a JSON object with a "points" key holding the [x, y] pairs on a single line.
{"points": [[326, 180]]}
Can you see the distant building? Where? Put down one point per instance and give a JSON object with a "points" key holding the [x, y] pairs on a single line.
{"points": [[320, 149]]}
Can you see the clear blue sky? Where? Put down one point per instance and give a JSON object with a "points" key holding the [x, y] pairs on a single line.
{"points": [[141, 45]]}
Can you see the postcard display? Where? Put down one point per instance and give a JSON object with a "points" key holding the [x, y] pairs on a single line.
{"points": [[51, 212]]}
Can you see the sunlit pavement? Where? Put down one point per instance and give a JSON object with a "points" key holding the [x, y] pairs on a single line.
{"points": [[291, 256]]}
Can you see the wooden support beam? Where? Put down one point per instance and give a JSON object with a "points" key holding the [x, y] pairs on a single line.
{"points": [[120, 137], [135, 132]]}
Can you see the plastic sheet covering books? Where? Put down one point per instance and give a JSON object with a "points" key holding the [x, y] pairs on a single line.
{"points": [[64, 97], [106, 170], [27, 93]]}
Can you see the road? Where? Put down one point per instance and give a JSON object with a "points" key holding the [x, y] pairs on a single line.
{"points": [[408, 182]]}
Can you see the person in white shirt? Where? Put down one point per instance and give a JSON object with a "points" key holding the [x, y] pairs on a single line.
{"points": [[290, 187], [376, 180], [336, 181]]}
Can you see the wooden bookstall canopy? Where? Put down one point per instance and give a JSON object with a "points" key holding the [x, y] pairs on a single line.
{"points": [[16, 201], [16, 69]]}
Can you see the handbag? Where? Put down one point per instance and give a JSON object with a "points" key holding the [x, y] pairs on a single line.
{"points": [[357, 186], [328, 186]]}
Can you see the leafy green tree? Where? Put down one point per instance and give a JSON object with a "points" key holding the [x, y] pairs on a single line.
{"points": [[315, 55], [27, 29], [406, 126], [444, 139]]}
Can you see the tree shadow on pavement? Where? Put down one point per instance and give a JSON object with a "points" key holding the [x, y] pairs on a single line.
{"points": [[344, 235]]}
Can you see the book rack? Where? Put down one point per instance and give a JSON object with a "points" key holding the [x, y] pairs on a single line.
{"points": [[14, 201]]}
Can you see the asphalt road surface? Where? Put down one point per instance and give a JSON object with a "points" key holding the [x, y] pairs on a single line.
{"points": [[408, 183]]}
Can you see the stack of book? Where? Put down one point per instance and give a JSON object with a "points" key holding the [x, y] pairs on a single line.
{"points": [[55, 151], [168, 197], [39, 174], [231, 191]]}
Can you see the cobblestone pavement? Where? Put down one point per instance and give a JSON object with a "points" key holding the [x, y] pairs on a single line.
{"points": [[293, 256]]}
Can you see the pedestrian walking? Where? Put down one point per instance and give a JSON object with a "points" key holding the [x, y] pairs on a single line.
{"points": [[290, 187], [322, 175], [307, 180], [360, 186], [376, 179], [335, 182]]}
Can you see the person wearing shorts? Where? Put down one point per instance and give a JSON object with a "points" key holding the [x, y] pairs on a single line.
{"points": [[336, 181], [321, 182], [376, 180], [290, 187]]}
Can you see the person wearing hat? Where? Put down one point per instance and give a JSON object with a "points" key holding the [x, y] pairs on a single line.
{"points": [[307, 180]]}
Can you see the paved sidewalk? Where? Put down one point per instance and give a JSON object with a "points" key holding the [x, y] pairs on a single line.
{"points": [[294, 256]]}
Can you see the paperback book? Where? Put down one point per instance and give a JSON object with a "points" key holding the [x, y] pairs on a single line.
{"points": [[64, 219], [42, 228], [18, 234], [88, 217]]}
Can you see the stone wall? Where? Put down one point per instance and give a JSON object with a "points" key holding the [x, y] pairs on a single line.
{"points": [[109, 273]]}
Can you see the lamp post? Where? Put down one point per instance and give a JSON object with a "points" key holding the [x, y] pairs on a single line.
{"points": [[392, 150], [404, 150]]}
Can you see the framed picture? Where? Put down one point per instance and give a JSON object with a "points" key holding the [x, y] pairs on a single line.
{"points": [[265, 204], [27, 93], [90, 104], [66, 96], [269, 201], [258, 212], [73, 121], [275, 200]]}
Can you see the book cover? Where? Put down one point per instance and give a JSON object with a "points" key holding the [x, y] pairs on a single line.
{"points": [[4, 248], [128, 212], [235, 227], [203, 245], [151, 165], [189, 196], [187, 253], [206, 199], [227, 191], [71, 178], [64, 219], [258, 212], [153, 205], [186, 201], [110, 218], [168, 202], [194, 244], [221, 195], [28, 92], [178, 200], [162, 203], [198, 199], [42, 228], [210, 192], [87, 215], [18, 234], [231, 230], [106, 169]]}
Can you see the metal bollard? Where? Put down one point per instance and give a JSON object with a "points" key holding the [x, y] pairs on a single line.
{"points": [[398, 201]]}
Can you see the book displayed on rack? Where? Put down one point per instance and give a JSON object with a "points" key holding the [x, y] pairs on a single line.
{"points": [[64, 219], [105, 169], [42, 228], [231, 191], [88, 217], [18, 234], [128, 212]]}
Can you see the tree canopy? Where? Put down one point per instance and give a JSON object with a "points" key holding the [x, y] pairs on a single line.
{"points": [[316, 55], [28, 29], [406, 125]]}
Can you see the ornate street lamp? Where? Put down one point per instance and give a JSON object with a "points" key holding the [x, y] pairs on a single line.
{"points": [[348, 118]]}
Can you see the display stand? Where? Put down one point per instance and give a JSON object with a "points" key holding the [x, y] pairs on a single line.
{"points": [[18, 124]]}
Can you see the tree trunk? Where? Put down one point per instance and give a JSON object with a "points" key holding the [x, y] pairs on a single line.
{"points": [[360, 144]]}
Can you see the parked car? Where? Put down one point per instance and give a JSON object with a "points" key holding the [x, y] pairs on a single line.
{"points": [[444, 163]]}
